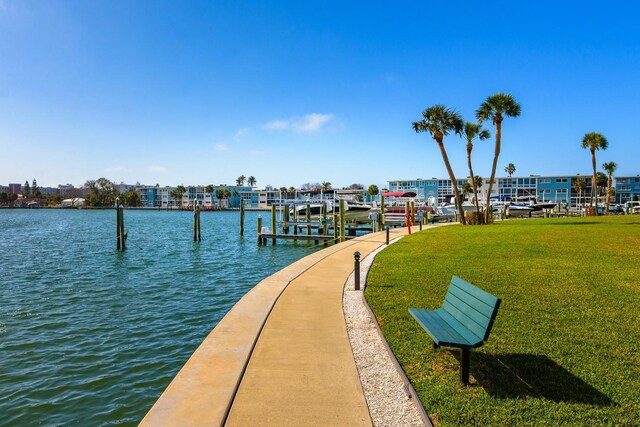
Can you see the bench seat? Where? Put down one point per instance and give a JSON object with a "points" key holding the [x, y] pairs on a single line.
{"points": [[444, 329], [464, 321]]}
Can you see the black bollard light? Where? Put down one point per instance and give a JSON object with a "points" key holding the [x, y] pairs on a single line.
{"points": [[387, 235], [356, 270]]}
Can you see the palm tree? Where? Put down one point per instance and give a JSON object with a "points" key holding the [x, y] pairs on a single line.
{"points": [[594, 141], [471, 132], [283, 190], [610, 168], [510, 169], [240, 180], [208, 189], [326, 185], [251, 181], [439, 120], [220, 196], [601, 183], [494, 107], [373, 190], [579, 185], [467, 189], [177, 193]]}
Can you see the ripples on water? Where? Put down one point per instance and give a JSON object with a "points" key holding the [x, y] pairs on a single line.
{"points": [[92, 336]]}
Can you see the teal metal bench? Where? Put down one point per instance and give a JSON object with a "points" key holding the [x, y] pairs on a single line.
{"points": [[464, 321]]}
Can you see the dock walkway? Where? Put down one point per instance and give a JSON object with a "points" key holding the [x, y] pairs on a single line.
{"points": [[281, 356]]}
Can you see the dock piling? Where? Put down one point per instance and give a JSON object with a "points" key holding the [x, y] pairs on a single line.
{"points": [[259, 230], [273, 222], [196, 222], [285, 219], [121, 237], [241, 217]]}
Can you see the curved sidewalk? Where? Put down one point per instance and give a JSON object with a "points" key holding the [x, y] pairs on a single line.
{"points": [[281, 356]]}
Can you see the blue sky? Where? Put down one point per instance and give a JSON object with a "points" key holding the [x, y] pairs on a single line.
{"points": [[292, 92]]}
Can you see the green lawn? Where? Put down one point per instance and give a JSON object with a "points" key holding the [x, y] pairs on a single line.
{"points": [[565, 348]]}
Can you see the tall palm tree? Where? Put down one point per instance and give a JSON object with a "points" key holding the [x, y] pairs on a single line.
{"points": [[594, 141], [326, 185], [251, 181], [610, 168], [495, 107], [579, 185], [471, 132], [510, 169], [439, 120], [240, 180]]}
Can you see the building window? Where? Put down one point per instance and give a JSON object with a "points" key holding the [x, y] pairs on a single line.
{"points": [[561, 180]]}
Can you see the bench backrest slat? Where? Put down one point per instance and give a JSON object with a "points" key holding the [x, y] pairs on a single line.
{"points": [[471, 306]]}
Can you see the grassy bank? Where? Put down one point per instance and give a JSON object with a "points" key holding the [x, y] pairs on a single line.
{"points": [[565, 348]]}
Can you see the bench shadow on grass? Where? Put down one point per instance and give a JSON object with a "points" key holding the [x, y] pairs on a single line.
{"points": [[510, 376]]}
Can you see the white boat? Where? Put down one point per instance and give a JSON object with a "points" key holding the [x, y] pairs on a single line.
{"points": [[354, 211]]}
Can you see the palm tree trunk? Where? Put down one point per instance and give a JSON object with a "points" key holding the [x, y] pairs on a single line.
{"points": [[453, 180], [473, 183], [495, 165]]}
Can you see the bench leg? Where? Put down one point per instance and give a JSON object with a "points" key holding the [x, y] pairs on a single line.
{"points": [[435, 346], [464, 366]]}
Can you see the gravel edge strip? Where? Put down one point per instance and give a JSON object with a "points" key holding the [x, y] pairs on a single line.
{"points": [[390, 398]]}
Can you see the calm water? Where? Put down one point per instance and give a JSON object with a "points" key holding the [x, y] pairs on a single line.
{"points": [[90, 336]]}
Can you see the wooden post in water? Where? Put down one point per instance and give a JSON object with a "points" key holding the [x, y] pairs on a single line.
{"points": [[323, 219], [196, 222], [308, 218], [273, 223], [413, 213], [382, 218], [118, 243], [123, 235], [336, 231], [295, 218], [342, 220], [241, 217], [259, 230], [285, 219]]}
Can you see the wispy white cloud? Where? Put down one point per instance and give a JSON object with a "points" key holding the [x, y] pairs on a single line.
{"points": [[241, 133], [221, 147], [307, 124]]}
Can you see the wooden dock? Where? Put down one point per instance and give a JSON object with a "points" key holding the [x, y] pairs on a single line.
{"points": [[315, 237]]}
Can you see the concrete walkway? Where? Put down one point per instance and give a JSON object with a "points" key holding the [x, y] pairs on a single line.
{"points": [[281, 356]]}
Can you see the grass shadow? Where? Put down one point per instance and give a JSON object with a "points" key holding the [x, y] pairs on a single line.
{"points": [[513, 375]]}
